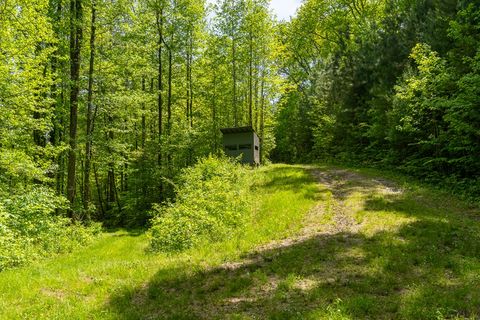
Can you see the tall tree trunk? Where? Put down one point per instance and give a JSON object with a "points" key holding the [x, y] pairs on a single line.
{"points": [[187, 110], [111, 184], [76, 21], [99, 190], [250, 81], [190, 82], [169, 98], [60, 137], [159, 18], [234, 66], [255, 92], [89, 132], [262, 117], [214, 111], [111, 192], [234, 79], [169, 104], [144, 120], [57, 95], [39, 136]]}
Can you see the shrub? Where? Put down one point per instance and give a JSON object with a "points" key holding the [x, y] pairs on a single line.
{"points": [[29, 229], [212, 199]]}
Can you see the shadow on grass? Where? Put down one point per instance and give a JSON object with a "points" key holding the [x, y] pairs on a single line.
{"points": [[291, 178], [428, 268], [123, 232]]}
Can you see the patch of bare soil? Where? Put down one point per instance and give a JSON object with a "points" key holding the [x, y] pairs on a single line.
{"points": [[141, 296], [53, 293]]}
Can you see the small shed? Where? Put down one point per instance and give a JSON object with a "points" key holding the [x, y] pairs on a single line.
{"points": [[242, 141]]}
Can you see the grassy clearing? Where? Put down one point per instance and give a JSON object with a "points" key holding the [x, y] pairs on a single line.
{"points": [[117, 278], [368, 249]]}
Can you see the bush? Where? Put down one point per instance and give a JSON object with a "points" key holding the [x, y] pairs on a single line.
{"points": [[212, 199], [29, 229]]}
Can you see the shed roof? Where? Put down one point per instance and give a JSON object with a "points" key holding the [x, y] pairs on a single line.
{"points": [[237, 130]]}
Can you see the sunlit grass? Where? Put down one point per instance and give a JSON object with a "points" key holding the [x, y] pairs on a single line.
{"points": [[354, 246], [81, 285]]}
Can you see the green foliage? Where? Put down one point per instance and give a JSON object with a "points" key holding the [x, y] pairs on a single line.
{"points": [[29, 229], [417, 112], [116, 277], [134, 155], [392, 83], [155, 87], [390, 249], [212, 199]]}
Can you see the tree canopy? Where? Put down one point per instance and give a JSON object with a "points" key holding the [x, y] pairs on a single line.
{"points": [[391, 83], [104, 103]]}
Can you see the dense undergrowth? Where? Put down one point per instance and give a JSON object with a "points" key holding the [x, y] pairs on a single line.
{"points": [[212, 199], [30, 230]]}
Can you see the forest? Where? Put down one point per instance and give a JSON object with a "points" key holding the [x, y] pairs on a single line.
{"points": [[110, 118], [389, 83]]}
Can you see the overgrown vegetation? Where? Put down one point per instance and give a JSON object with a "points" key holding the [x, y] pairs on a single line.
{"points": [[213, 198], [30, 230], [108, 110], [105, 102]]}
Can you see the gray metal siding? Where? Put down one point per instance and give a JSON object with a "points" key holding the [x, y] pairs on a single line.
{"points": [[238, 140]]}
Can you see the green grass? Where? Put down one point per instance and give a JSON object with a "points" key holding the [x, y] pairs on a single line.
{"points": [[373, 249], [116, 277]]}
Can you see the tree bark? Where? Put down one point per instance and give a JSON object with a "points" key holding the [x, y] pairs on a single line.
{"points": [[169, 105], [57, 95], [169, 98], [89, 132], [159, 18], [250, 80], [234, 79], [214, 111], [262, 117], [234, 67], [99, 191], [111, 192], [190, 82], [188, 66], [76, 17], [144, 120], [255, 92]]}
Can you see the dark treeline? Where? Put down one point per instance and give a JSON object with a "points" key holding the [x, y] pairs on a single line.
{"points": [[392, 83]]}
